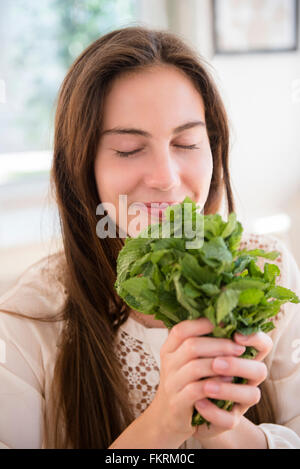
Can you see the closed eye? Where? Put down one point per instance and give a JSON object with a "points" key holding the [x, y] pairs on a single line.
{"points": [[187, 147], [125, 154]]}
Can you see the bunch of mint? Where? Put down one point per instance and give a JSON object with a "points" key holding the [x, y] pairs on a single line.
{"points": [[199, 271]]}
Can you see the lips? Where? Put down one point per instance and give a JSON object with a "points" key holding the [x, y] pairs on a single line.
{"points": [[155, 209], [154, 204], [148, 204]]}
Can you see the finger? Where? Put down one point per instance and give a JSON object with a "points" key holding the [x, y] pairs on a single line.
{"points": [[216, 416], [241, 408], [186, 398], [192, 371], [255, 372], [185, 329], [259, 340], [241, 393], [198, 347]]}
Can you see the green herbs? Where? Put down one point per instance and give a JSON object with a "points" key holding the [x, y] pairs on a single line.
{"points": [[199, 271]]}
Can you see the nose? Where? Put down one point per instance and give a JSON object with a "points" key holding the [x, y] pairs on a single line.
{"points": [[163, 174]]}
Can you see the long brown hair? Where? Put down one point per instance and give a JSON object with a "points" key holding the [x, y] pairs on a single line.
{"points": [[89, 388]]}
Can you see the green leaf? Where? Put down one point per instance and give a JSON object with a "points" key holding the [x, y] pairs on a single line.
{"points": [[138, 286], [254, 270], [261, 253], [249, 353], [250, 297], [132, 250], [167, 300], [230, 225], [271, 271], [245, 283], [157, 276], [241, 263], [195, 273], [213, 226], [157, 255], [248, 330], [143, 305], [191, 291], [234, 240], [216, 249], [168, 318], [168, 243], [264, 312], [223, 331], [168, 314], [282, 293], [210, 314], [226, 302], [209, 289], [184, 300], [267, 327], [136, 267]]}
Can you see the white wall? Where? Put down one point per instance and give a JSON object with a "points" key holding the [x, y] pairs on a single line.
{"points": [[262, 96], [264, 109]]}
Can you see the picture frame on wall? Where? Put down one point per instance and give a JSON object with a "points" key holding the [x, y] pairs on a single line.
{"points": [[254, 26]]}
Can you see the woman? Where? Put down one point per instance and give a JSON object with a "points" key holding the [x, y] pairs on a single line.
{"points": [[138, 114]]}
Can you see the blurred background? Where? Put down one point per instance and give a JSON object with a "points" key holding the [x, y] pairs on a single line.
{"points": [[253, 49]]}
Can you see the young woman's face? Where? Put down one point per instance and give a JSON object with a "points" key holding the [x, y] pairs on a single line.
{"points": [[146, 114]]}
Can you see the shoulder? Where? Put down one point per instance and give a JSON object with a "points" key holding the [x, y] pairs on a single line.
{"points": [[39, 292]]}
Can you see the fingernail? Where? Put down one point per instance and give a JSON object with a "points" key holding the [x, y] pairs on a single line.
{"points": [[221, 363], [201, 404], [239, 348], [212, 387], [226, 379]]}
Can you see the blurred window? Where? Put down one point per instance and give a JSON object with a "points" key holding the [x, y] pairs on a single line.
{"points": [[39, 41]]}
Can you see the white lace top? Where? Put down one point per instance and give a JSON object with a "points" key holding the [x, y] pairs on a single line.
{"points": [[28, 352]]}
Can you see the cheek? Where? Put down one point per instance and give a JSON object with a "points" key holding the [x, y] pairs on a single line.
{"points": [[198, 176], [200, 169], [110, 179]]}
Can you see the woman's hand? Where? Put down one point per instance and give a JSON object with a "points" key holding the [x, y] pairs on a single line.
{"points": [[186, 357], [244, 395]]}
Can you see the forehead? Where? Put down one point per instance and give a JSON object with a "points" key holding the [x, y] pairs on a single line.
{"points": [[161, 93]]}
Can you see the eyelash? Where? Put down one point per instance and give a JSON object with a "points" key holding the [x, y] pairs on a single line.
{"points": [[124, 154]]}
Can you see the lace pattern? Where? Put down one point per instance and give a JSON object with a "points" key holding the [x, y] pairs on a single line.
{"points": [[140, 370]]}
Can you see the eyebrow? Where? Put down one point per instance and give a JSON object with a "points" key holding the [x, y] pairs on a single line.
{"points": [[143, 133]]}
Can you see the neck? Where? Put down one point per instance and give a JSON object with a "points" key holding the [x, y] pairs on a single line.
{"points": [[146, 320]]}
